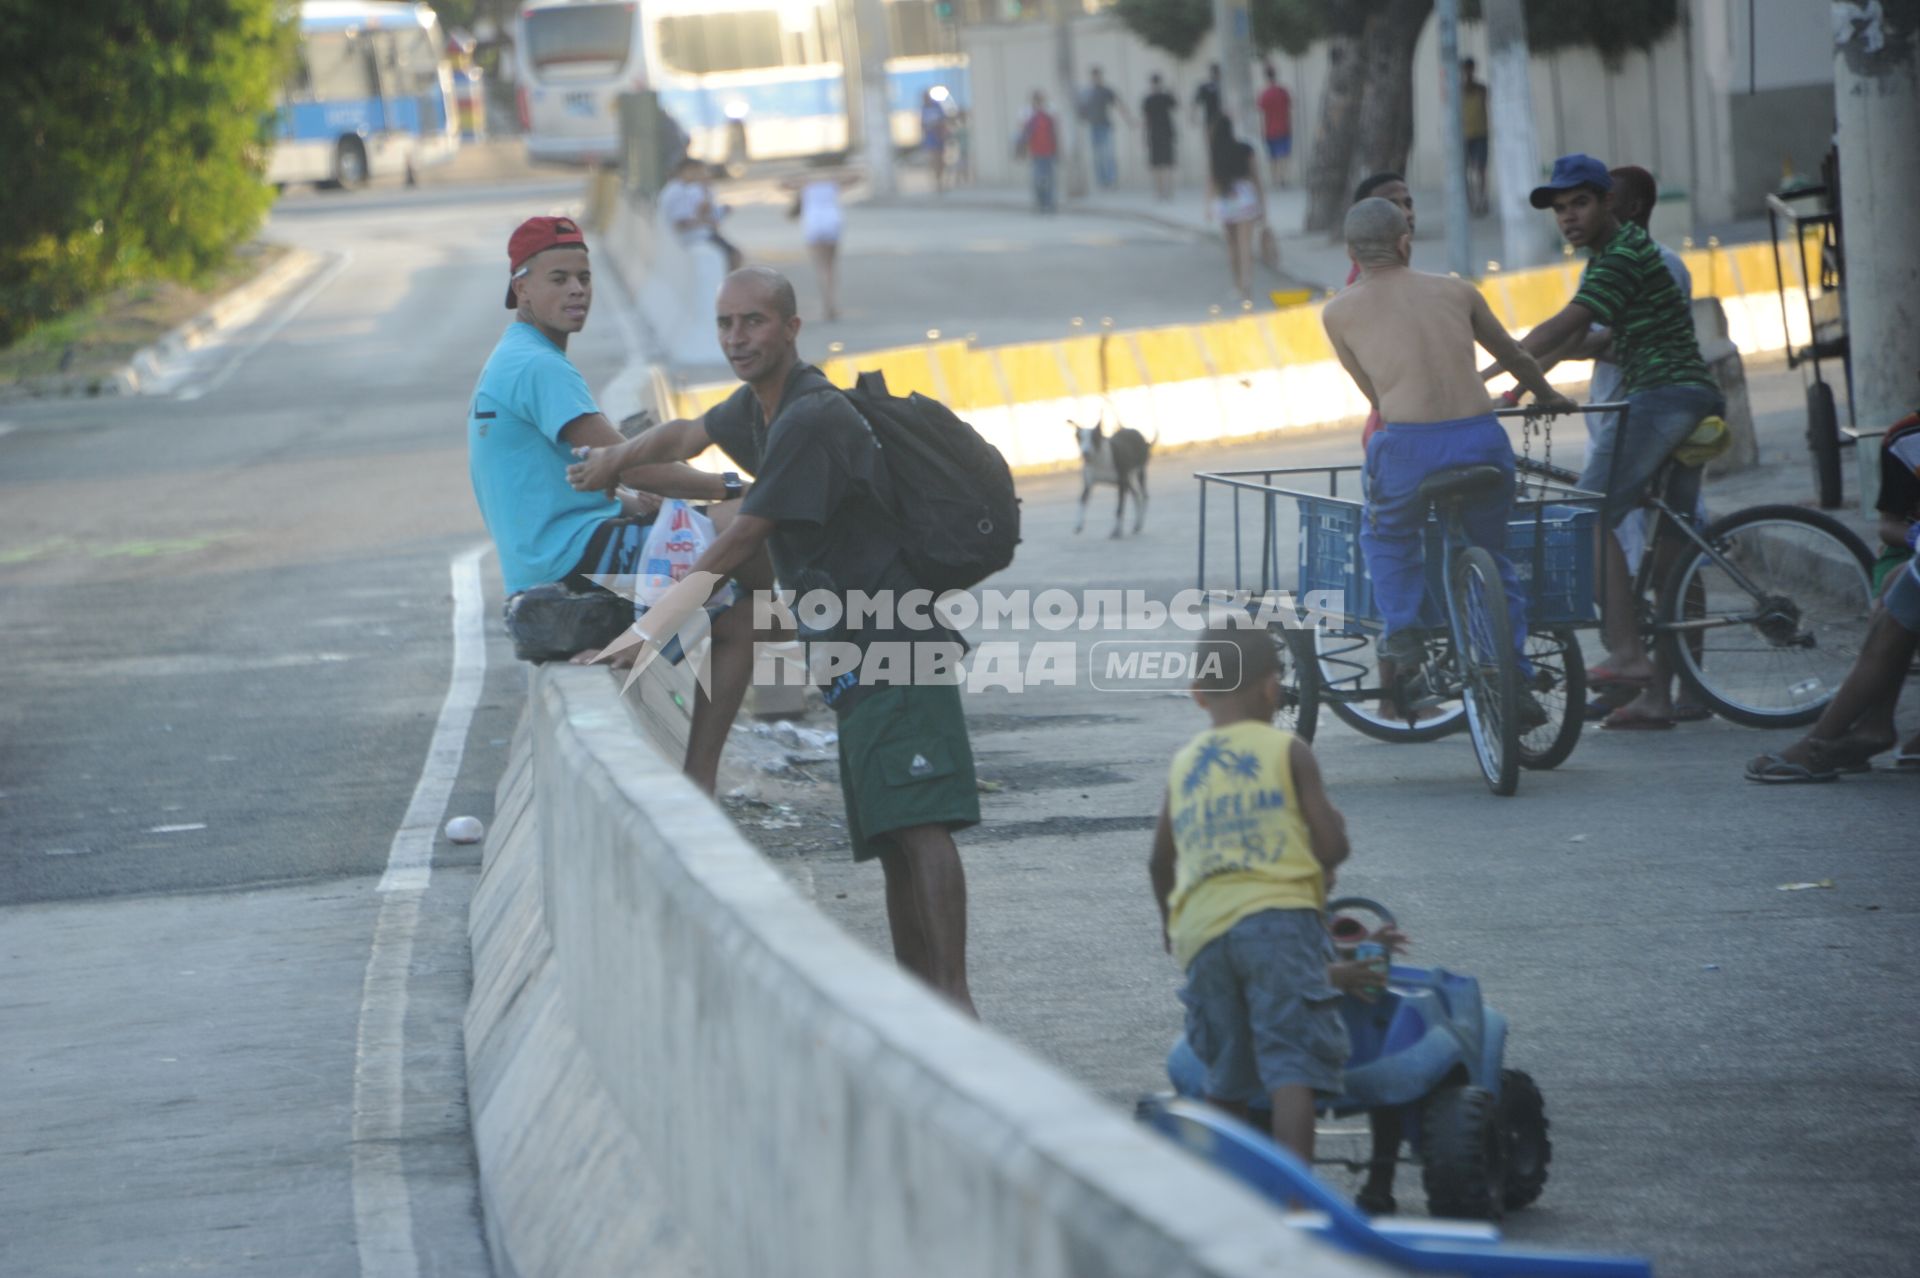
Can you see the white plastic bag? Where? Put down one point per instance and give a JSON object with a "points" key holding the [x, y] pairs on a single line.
{"points": [[680, 534]]}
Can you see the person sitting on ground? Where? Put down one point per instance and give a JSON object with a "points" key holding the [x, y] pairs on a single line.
{"points": [[1858, 725], [1627, 289], [529, 411], [1407, 340], [1868, 695]]}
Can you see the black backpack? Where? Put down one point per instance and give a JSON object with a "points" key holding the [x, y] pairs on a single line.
{"points": [[952, 492]]}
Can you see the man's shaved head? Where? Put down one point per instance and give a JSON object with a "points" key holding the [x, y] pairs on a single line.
{"points": [[1374, 229], [779, 291]]}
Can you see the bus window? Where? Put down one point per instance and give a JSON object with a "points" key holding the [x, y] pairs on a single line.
{"points": [[707, 42], [595, 37], [338, 68]]}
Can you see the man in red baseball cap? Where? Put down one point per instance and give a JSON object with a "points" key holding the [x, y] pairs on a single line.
{"points": [[530, 410]]}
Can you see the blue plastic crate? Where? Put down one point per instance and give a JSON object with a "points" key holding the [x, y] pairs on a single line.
{"points": [[1330, 560], [1561, 591]]}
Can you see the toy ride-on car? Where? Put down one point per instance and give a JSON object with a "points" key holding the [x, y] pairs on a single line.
{"points": [[1429, 1050]]}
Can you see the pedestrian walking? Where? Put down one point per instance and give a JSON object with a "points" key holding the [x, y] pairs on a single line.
{"points": [[817, 205], [1276, 123], [530, 409], [1156, 112], [1236, 201], [933, 134], [1097, 105], [1039, 142], [689, 210], [821, 501], [1473, 116], [1206, 101]]}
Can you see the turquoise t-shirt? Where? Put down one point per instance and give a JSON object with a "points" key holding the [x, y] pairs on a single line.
{"points": [[527, 394]]}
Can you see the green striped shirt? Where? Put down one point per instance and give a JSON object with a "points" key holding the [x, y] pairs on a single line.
{"points": [[1629, 289]]}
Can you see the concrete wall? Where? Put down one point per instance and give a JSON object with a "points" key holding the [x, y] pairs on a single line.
{"points": [[1638, 113], [679, 1066]]}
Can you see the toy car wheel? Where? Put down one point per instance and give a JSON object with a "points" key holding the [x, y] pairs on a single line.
{"points": [[1463, 1152], [1523, 1126]]}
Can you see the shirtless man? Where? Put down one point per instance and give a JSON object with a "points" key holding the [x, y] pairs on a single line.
{"points": [[1407, 339]]}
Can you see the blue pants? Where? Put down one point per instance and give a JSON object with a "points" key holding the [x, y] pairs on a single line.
{"points": [[1106, 166], [1043, 182], [1398, 457]]}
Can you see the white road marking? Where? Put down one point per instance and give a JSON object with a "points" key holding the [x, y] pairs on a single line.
{"points": [[267, 334], [382, 1207], [410, 857]]}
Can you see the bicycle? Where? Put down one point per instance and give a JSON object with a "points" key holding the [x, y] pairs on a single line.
{"points": [[1467, 670], [1761, 613]]}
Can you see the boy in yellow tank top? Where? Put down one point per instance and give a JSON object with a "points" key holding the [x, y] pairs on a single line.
{"points": [[1243, 860]]}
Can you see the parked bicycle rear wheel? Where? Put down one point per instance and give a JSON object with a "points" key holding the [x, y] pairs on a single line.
{"points": [[1784, 618], [1348, 663], [1299, 683], [1560, 685], [1483, 650]]}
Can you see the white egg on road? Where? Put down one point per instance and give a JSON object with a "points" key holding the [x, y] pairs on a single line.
{"points": [[466, 829]]}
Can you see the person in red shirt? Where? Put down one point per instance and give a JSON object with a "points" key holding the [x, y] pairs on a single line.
{"points": [[1276, 119], [1040, 143]]}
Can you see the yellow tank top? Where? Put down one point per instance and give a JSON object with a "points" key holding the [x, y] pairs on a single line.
{"points": [[1240, 845]]}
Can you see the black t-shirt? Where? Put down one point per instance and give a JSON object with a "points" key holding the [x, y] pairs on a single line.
{"points": [[1207, 98], [820, 476], [1157, 110]]}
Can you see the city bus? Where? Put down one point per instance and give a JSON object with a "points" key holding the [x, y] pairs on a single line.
{"points": [[743, 80], [369, 95]]}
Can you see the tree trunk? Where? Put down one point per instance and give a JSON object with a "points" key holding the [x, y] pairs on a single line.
{"points": [[1330, 177], [1386, 115]]}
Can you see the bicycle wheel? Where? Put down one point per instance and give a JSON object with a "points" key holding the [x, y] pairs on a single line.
{"points": [[1560, 684], [1299, 684], [1350, 662], [1483, 651], [1786, 608]]}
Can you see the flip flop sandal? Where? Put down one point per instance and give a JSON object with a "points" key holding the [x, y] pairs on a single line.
{"points": [[1691, 712], [1603, 677], [1621, 721], [1905, 760], [1771, 769]]}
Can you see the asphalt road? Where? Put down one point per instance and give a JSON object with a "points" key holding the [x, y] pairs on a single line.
{"points": [[227, 623]]}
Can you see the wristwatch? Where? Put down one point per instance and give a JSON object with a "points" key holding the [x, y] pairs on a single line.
{"points": [[730, 481]]}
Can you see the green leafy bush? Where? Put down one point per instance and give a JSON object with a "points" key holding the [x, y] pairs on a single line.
{"points": [[133, 138]]}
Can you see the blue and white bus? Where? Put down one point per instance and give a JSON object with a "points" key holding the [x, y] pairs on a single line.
{"points": [[370, 95], [746, 79]]}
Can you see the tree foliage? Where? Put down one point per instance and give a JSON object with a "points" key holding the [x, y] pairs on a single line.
{"points": [[133, 142], [1612, 30], [1177, 26]]}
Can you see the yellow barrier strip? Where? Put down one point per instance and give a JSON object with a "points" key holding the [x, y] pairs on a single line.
{"points": [[967, 377]]}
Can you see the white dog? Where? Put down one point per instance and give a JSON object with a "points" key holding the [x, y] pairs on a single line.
{"points": [[1119, 459]]}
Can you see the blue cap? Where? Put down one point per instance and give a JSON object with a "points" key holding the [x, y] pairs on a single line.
{"points": [[1570, 171]]}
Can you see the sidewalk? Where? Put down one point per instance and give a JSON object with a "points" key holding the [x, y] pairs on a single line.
{"points": [[1311, 260]]}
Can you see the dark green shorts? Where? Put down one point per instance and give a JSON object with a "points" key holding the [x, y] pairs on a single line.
{"points": [[905, 761]]}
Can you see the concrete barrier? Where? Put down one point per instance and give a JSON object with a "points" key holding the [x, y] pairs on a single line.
{"points": [[679, 1066]]}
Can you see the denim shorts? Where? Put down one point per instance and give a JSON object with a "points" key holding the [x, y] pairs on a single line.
{"points": [[1902, 599], [1658, 420], [1261, 1013]]}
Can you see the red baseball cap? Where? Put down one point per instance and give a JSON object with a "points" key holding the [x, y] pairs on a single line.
{"points": [[537, 235]]}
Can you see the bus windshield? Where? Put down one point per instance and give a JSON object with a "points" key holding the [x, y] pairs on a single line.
{"points": [[601, 34]]}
